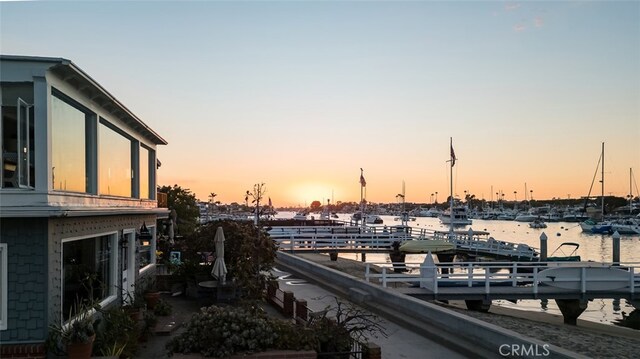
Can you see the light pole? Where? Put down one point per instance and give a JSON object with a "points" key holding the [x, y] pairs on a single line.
{"points": [[515, 195], [436, 197], [465, 196], [531, 197], [431, 198]]}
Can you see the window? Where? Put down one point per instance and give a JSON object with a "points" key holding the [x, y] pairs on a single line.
{"points": [[144, 172], [16, 127], [88, 270], [3, 286], [114, 153], [68, 144], [147, 252]]}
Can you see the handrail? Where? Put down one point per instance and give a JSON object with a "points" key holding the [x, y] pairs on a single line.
{"points": [[520, 274]]}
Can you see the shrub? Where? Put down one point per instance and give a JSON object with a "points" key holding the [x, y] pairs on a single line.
{"points": [[221, 332], [162, 308]]}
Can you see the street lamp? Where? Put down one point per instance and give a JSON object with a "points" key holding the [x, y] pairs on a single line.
{"points": [[531, 197], [431, 198], [436, 197]]}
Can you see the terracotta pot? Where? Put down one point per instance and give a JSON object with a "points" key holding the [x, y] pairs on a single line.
{"points": [[152, 299], [81, 350]]}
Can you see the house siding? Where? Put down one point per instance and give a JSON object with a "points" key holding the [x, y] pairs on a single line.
{"points": [[26, 240]]}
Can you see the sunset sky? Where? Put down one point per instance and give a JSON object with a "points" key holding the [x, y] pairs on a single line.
{"points": [[301, 95]]}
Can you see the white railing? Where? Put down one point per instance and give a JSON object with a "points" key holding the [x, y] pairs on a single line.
{"points": [[317, 242], [489, 275]]}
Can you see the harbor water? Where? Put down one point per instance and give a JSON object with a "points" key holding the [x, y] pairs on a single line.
{"points": [[593, 247]]}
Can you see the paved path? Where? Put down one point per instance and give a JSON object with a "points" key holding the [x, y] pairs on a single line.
{"points": [[400, 343]]}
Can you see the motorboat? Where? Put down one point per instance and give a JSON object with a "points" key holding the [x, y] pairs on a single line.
{"points": [[300, 216], [459, 217], [563, 256], [625, 226], [373, 219], [537, 224], [591, 226]]}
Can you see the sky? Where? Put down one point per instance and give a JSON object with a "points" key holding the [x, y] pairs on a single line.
{"points": [[299, 95]]}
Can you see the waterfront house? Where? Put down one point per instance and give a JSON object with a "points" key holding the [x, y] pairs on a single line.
{"points": [[78, 183]]}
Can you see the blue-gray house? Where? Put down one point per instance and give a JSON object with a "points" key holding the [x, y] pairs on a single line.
{"points": [[78, 176]]}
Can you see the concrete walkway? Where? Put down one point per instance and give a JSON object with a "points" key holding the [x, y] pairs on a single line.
{"points": [[400, 343]]}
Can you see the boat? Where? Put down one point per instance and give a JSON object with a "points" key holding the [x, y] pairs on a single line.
{"points": [[373, 219], [598, 278], [571, 257], [625, 226], [591, 226], [459, 217], [300, 216], [425, 246], [537, 224]]}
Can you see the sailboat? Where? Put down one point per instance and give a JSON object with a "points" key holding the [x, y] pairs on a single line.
{"points": [[591, 226], [456, 215]]}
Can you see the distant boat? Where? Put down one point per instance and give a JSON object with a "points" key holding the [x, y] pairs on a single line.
{"points": [[591, 226], [625, 226], [537, 224], [459, 217], [373, 219], [300, 216]]}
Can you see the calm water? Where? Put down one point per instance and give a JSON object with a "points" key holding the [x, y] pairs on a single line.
{"points": [[592, 247]]}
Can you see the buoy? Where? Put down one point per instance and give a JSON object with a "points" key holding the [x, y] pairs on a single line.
{"points": [[558, 234]]}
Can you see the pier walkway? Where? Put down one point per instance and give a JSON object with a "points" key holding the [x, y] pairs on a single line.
{"points": [[376, 239]]}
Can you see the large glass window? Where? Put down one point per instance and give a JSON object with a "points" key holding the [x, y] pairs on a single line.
{"points": [[114, 159], [16, 128], [87, 271], [68, 143], [144, 172]]}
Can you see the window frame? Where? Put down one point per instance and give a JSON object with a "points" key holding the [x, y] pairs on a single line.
{"points": [[152, 251], [132, 157], [4, 285], [90, 145], [113, 294]]}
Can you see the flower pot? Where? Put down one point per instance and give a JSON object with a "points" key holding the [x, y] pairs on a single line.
{"points": [[81, 350], [152, 299]]}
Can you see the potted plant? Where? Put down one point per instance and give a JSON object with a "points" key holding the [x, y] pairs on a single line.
{"points": [[151, 294], [133, 303], [77, 335]]}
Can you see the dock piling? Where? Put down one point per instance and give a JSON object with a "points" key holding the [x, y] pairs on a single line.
{"points": [[571, 309], [543, 247], [616, 248]]}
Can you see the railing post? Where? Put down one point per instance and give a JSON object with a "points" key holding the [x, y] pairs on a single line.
{"points": [[287, 304], [632, 278], [487, 278], [366, 272], [583, 280], [384, 277], [301, 309], [535, 280], [514, 274], [435, 279], [470, 275], [291, 239]]}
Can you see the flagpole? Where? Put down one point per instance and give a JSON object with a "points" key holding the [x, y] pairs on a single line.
{"points": [[362, 198], [451, 189]]}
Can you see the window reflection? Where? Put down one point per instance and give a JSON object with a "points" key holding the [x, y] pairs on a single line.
{"points": [[114, 153], [68, 147]]}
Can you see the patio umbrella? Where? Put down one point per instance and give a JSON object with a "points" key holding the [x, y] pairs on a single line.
{"points": [[219, 270]]}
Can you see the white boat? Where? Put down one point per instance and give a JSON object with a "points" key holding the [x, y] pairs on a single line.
{"points": [[527, 217], [459, 217], [596, 278], [625, 226], [591, 226], [537, 224], [300, 216]]}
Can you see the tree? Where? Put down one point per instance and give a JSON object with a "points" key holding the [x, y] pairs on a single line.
{"points": [[315, 205], [186, 206]]}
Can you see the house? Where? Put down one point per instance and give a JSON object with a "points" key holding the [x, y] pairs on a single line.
{"points": [[78, 186]]}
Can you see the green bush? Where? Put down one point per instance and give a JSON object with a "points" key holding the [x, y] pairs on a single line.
{"points": [[222, 332], [117, 333]]}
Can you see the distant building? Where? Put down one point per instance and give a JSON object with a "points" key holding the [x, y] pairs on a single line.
{"points": [[78, 182]]}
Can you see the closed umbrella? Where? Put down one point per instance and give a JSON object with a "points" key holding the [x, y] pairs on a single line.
{"points": [[219, 270]]}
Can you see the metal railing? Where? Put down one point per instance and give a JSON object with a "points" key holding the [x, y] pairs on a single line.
{"points": [[529, 276]]}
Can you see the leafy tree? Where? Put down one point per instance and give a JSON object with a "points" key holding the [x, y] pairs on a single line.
{"points": [[315, 205], [184, 202], [249, 252]]}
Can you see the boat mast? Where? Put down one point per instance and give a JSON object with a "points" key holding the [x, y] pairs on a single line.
{"points": [[602, 181], [362, 184], [630, 189]]}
